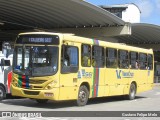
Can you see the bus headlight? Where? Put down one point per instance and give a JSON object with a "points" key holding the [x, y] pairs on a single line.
{"points": [[51, 85]]}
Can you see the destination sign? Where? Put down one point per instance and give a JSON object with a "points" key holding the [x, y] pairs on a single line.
{"points": [[38, 39]]}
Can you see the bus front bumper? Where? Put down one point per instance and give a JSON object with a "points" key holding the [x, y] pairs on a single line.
{"points": [[35, 94]]}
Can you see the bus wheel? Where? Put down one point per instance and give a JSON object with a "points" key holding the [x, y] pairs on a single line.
{"points": [[2, 93], [132, 92], [83, 96], [42, 101]]}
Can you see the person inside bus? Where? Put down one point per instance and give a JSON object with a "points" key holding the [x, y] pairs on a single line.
{"points": [[146, 66], [66, 58], [136, 65], [86, 60], [94, 62]]}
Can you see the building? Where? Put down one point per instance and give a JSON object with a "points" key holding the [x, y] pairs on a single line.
{"points": [[127, 12]]}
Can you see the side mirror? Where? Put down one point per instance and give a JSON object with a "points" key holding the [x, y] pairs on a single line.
{"points": [[2, 62], [5, 62]]}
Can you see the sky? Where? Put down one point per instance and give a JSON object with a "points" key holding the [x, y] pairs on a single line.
{"points": [[150, 9]]}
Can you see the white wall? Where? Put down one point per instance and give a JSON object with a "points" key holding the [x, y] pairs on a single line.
{"points": [[131, 14]]}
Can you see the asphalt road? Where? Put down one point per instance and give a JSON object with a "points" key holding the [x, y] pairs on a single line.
{"points": [[146, 101]]}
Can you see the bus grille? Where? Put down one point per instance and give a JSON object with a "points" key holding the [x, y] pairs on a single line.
{"points": [[37, 81], [31, 92], [37, 87]]}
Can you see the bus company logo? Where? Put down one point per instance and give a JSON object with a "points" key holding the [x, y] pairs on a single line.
{"points": [[121, 74], [83, 74]]}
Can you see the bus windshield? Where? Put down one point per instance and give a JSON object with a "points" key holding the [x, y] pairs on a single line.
{"points": [[35, 60]]}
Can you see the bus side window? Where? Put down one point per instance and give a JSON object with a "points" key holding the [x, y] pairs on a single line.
{"points": [[69, 62], [150, 61], [111, 58], [134, 60], [123, 59], [86, 55], [98, 59], [143, 61]]}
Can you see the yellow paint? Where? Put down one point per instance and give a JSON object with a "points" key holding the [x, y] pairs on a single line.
{"points": [[66, 86]]}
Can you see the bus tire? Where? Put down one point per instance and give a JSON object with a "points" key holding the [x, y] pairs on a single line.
{"points": [[83, 96], [132, 92], [2, 93], [41, 101]]}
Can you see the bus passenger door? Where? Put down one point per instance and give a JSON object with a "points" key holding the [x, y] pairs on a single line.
{"points": [[69, 69], [98, 61]]}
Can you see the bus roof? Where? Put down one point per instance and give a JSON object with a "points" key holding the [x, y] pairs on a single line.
{"points": [[73, 38], [45, 33]]}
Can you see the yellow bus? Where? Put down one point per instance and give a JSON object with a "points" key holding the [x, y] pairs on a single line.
{"points": [[54, 66]]}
